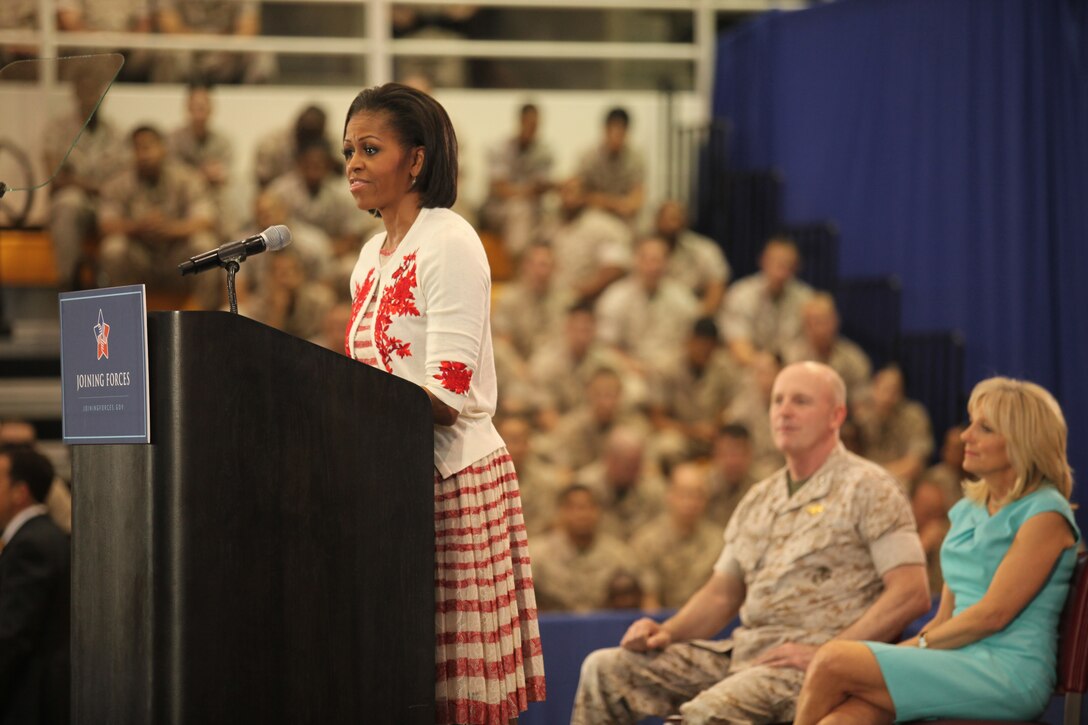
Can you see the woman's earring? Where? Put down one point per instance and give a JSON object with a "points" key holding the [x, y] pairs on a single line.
{"points": [[413, 182]]}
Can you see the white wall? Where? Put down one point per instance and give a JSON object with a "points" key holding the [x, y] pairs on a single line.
{"points": [[570, 122]]}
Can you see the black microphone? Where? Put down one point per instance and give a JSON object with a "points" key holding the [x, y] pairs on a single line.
{"points": [[272, 239]]}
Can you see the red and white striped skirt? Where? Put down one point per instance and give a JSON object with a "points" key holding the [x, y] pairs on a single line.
{"points": [[488, 659]]}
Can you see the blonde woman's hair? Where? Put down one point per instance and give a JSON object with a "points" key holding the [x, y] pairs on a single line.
{"points": [[1035, 434]]}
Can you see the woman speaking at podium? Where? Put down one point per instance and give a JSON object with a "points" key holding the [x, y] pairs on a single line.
{"points": [[421, 296]]}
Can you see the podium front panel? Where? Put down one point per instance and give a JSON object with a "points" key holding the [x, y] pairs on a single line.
{"points": [[270, 556]]}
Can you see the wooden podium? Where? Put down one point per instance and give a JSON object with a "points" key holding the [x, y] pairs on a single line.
{"points": [[269, 558]]}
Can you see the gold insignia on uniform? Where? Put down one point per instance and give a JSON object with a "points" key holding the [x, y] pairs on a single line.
{"points": [[814, 509]]}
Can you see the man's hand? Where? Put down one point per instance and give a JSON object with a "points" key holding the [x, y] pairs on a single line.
{"points": [[790, 654], [645, 634]]}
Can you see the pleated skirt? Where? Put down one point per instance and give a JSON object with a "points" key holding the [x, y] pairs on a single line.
{"points": [[488, 659]]}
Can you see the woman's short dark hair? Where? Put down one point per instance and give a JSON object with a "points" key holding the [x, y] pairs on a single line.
{"points": [[420, 121]]}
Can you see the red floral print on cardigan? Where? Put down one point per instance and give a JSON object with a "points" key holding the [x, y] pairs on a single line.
{"points": [[397, 299], [361, 293], [455, 377]]}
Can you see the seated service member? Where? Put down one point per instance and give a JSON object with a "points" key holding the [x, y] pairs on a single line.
{"points": [[763, 310], [678, 548], [613, 172], [991, 650], [695, 261], [153, 215], [575, 563], [730, 475], [519, 171], [895, 431], [823, 549]]}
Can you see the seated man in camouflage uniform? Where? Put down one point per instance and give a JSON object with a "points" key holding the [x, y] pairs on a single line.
{"points": [[825, 548]]}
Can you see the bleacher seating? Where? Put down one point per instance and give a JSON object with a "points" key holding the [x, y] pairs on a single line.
{"points": [[932, 364], [870, 312], [745, 216], [30, 340], [744, 210], [818, 243], [26, 258]]}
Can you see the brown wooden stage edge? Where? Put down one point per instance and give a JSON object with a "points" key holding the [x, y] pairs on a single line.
{"points": [[270, 556]]}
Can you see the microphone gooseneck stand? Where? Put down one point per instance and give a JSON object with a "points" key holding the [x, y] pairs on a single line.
{"points": [[232, 268], [230, 257]]}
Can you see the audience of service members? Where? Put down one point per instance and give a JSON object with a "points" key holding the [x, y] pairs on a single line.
{"points": [[663, 416], [635, 373], [644, 393]]}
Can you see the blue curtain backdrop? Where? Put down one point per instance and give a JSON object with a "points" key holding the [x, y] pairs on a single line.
{"points": [[949, 141]]}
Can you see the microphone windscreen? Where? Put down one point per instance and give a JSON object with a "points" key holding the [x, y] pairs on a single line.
{"points": [[276, 237]]}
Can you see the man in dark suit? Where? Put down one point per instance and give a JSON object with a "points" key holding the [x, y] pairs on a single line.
{"points": [[35, 596]]}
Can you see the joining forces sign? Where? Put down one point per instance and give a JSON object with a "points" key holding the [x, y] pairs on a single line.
{"points": [[104, 374]]}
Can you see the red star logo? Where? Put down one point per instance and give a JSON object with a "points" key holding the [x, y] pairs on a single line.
{"points": [[102, 335]]}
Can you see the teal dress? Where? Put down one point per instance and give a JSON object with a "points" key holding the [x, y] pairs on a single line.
{"points": [[1009, 675]]}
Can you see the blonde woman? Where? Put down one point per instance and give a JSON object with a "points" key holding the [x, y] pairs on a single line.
{"points": [[991, 650]]}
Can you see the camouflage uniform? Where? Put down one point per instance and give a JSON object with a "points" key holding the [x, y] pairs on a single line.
{"points": [[19, 14], [846, 358], [566, 578], [216, 17], [331, 209], [679, 564], [591, 240], [623, 515], [100, 154], [517, 217], [751, 410], [605, 173], [116, 16], [648, 326], [948, 479], [696, 262], [690, 396], [529, 320], [812, 565], [178, 193], [906, 431], [522, 323], [725, 497], [579, 439], [769, 324], [561, 380], [197, 152], [539, 483], [275, 155]]}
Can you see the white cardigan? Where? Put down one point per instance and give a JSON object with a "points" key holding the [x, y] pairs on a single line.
{"points": [[432, 326]]}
